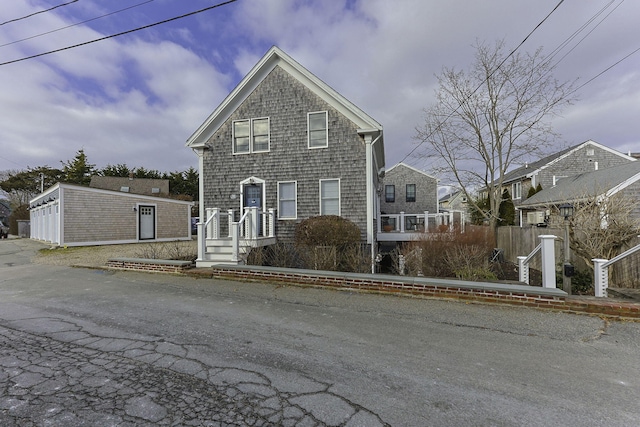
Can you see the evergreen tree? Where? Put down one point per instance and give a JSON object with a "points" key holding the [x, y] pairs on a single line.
{"points": [[78, 170], [507, 210]]}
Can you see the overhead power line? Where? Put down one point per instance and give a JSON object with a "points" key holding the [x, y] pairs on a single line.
{"points": [[175, 18], [76, 24], [36, 13], [483, 82]]}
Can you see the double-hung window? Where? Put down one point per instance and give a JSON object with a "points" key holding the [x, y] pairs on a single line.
{"points": [[251, 136], [317, 124], [411, 192], [287, 200], [516, 190], [389, 193], [329, 197]]}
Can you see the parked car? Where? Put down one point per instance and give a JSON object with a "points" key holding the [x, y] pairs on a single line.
{"points": [[4, 231]]}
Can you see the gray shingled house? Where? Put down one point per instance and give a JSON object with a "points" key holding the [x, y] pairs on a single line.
{"points": [[600, 184], [585, 157], [281, 147], [74, 215]]}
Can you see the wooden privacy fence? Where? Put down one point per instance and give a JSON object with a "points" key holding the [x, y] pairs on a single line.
{"points": [[518, 241]]}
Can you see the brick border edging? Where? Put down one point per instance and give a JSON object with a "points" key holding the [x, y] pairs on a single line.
{"points": [[149, 265], [475, 292]]}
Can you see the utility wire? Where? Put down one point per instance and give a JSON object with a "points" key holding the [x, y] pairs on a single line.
{"points": [[78, 23], [604, 71], [562, 45], [483, 82], [119, 34], [36, 13]]}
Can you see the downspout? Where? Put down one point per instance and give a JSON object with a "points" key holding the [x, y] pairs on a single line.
{"points": [[370, 200], [200, 153]]}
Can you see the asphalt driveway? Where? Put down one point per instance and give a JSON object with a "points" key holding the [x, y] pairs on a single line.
{"points": [[91, 347]]}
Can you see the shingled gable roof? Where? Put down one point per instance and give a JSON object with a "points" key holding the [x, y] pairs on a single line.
{"points": [[534, 167], [600, 183], [273, 58], [409, 167]]}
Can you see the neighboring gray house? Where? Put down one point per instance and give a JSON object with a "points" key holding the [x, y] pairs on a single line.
{"points": [[148, 186], [286, 144], [603, 183], [585, 157], [410, 190], [74, 215], [455, 201]]}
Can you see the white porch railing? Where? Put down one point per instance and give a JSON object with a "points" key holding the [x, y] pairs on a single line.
{"points": [[601, 271], [252, 226], [416, 223], [547, 252]]}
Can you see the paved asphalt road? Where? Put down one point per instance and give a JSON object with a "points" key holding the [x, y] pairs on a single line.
{"points": [[81, 347]]}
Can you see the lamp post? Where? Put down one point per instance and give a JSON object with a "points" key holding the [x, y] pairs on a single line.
{"points": [[566, 210]]}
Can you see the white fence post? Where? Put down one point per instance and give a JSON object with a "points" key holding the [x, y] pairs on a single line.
{"points": [[401, 222], [253, 223], [230, 219], [272, 222], [523, 270], [202, 246], [600, 277], [548, 261], [235, 242]]}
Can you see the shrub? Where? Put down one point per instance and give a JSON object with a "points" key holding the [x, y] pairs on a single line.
{"points": [[326, 230], [449, 254]]}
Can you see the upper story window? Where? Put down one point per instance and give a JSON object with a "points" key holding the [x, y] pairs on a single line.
{"points": [[411, 193], [287, 200], [329, 197], [389, 193], [317, 130], [590, 152], [251, 136], [516, 190]]}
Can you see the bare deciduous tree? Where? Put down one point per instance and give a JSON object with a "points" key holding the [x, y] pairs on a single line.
{"points": [[603, 227], [491, 117]]}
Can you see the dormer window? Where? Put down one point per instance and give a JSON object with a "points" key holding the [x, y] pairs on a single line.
{"points": [[251, 136]]}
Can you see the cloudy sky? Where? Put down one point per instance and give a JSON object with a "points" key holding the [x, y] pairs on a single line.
{"points": [[136, 98]]}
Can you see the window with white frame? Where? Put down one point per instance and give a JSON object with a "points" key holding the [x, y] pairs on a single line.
{"points": [[317, 130], [411, 193], [251, 136], [329, 197], [516, 190], [287, 200], [390, 193]]}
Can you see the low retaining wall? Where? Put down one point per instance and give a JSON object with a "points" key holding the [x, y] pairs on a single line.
{"points": [[481, 292], [149, 265]]}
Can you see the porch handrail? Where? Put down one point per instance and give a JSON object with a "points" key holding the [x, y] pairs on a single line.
{"points": [[601, 271], [547, 252]]}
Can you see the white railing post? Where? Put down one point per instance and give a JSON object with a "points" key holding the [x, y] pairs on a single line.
{"points": [[235, 242], [272, 222], [426, 221], [402, 222], [600, 277], [523, 270], [230, 218], [213, 229], [548, 261], [252, 230], [202, 247]]}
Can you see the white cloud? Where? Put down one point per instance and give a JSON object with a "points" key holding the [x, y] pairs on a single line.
{"points": [[136, 99]]}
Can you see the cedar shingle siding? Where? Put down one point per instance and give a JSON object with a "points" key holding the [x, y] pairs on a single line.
{"points": [[99, 217], [286, 102], [577, 163], [426, 191]]}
